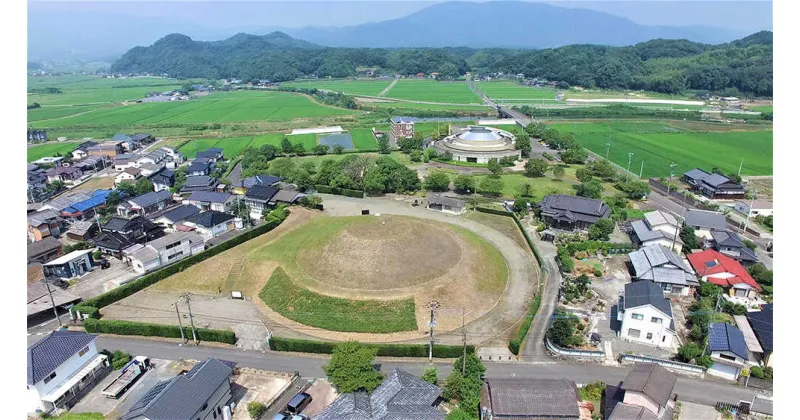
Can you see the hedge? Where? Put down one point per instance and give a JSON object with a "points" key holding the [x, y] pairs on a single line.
{"points": [[339, 191], [156, 330], [124, 291], [516, 342], [385, 350], [574, 247], [493, 211]]}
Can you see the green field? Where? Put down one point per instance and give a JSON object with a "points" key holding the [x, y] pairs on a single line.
{"points": [[433, 91], [308, 140], [545, 185], [363, 138], [351, 87], [511, 90], [50, 149], [688, 145], [433, 107], [766, 109]]}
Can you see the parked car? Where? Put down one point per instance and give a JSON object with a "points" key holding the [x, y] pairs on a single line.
{"points": [[282, 416], [298, 403], [104, 264]]}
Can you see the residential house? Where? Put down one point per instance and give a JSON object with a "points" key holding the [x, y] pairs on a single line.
{"points": [[129, 174], [155, 157], [703, 222], [124, 161], [761, 323], [121, 232], [206, 200], [731, 244], [111, 149], [45, 250], [285, 196], [517, 398], [660, 265], [570, 212], [199, 167], [65, 174], [400, 396], [37, 136], [645, 394], [128, 143], [242, 186], [82, 150], [657, 227], [257, 199], [143, 138], [209, 223], [62, 367], [174, 158], [67, 199], [39, 304], [166, 250], [145, 204], [755, 353], [714, 186], [74, 264], [728, 351], [448, 205], [91, 164], [86, 208], [199, 183], [754, 208], [717, 268], [645, 314], [83, 230], [212, 155], [172, 216], [203, 392], [163, 179], [148, 169], [43, 224]]}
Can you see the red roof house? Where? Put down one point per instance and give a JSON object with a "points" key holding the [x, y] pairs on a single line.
{"points": [[724, 271]]}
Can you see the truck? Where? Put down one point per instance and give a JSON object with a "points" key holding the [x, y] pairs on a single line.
{"points": [[127, 377]]}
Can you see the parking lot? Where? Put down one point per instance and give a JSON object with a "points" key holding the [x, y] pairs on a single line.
{"points": [[99, 281]]}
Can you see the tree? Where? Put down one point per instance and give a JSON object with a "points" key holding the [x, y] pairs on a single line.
{"points": [[558, 172], [180, 181], [338, 149], [311, 201], [562, 330], [474, 367], [601, 229], [591, 189], [575, 155], [55, 186], [351, 369], [321, 149], [523, 143], [452, 386], [143, 186], [415, 155], [760, 274], [383, 146], [583, 174], [255, 409], [460, 414], [525, 189], [407, 145], [689, 238], [286, 145], [437, 181], [430, 375], [299, 149], [708, 289], [602, 169], [750, 244], [374, 182], [520, 206], [492, 187], [464, 183], [536, 167], [688, 352], [634, 189], [239, 209], [128, 188], [494, 167]]}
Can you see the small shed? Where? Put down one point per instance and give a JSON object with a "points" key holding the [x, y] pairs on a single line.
{"points": [[446, 204]]}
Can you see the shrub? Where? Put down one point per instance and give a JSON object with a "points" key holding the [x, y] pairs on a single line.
{"points": [[592, 391], [384, 350], [430, 375], [156, 330], [689, 352], [598, 272], [757, 372], [255, 409], [90, 311]]}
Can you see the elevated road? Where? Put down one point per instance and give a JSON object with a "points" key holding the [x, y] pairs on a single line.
{"points": [[522, 119]]}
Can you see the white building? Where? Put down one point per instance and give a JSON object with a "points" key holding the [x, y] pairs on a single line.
{"points": [[728, 351], [74, 264], [210, 223], [61, 368], [657, 227], [165, 250], [645, 314], [129, 174], [758, 208]]}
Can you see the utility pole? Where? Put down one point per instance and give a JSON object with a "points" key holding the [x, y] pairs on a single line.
{"points": [[677, 228], [53, 302], [630, 156], [641, 168], [180, 324], [750, 210], [669, 184], [464, 340], [433, 305], [608, 146], [740, 168], [191, 317]]}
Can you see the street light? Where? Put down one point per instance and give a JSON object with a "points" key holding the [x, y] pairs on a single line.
{"points": [[669, 184]]}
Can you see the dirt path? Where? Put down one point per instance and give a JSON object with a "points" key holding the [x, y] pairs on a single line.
{"points": [[388, 88]]}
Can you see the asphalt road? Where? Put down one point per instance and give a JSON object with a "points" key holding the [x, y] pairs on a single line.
{"points": [[698, 391]]}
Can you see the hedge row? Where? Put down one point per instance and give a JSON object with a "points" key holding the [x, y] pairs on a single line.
{"points": [[156, 330], [124, 291], [493, 211], [339, 191], [528, 240], [386, 350], [574, 247], [91, 311]]}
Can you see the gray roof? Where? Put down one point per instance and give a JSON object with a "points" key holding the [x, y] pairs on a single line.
{"points": [[165, 240], [645, 233], [285, 196], [209, 218], [716, 180], [651, 379], [659, 264], [183, 395], [81, 227], [401, 396], [39, 298], [398, 120], [209, 196], [61, 202], [261, 192], [725, 337], [179, 213], [696, 173], [632, 412], [198, 165], [152, 167], [574, 208], [265, 180], [447, 201], [48, 354], [199, 181], [542, 398], [148, 199], [706, 219], [42, 247], [658, 217], [42, 217], [645, 292]]}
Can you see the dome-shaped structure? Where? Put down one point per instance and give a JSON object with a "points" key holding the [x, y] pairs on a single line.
{"points": [[478, 144]]}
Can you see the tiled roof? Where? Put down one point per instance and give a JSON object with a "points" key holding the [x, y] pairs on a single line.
{"points": [[179, 213], [209, 218], [261, 192], [44, 246], [710, 263], [533, 398], [651, 379], [761, 322], [153, 197], [42, 217], [199, 181], [48, 354], [658, 217], [645, 292], [725, 337], [575, 208], [660, 264], [706, 219], [265, 180], [448, 201], [209, 196]]}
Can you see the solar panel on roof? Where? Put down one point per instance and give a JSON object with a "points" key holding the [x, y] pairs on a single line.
{"points": [[711, 263]]}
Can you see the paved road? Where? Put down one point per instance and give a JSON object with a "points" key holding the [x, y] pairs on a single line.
{"points": [[236, 174], [534, 348], [694, 390]]}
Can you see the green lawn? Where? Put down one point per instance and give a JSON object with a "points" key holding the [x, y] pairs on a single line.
{"points": [[50, 149], [510, 90], [352, 87], [84, 89], [363, 138], [433, 91], [765, 109]]}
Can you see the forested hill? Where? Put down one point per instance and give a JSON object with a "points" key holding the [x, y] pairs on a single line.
{"points": [[742, 67]]}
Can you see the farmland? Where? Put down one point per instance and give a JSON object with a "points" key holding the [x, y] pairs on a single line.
{"points": [[234, 146], [50, 149], [433, 107], [433, 91], [350, 87], [512, 90], [689, 145]]}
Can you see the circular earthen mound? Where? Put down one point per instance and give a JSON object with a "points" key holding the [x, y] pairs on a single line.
{"points": [[382, 253]]}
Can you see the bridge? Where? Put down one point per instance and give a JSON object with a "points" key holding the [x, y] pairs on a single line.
{"points": [[503, 112]]}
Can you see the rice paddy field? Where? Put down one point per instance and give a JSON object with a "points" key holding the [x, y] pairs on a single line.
{"points": [[234, 146], [500, 90], [433, 107], [351, 87], [433, 91], [50, 149], [690, 145]]}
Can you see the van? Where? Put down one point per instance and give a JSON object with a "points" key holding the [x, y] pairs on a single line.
{"points": [[298, 403]]}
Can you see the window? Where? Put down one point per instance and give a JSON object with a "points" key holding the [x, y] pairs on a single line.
{"points": [[634, 333], [205, 405], [50, 378], [82, 352], [727, 357], [649, 336], [656, 320], [637, 316]]}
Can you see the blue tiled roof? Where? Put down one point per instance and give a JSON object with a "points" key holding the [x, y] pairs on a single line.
{"points": [[98, 198], [761, 322], [48, 354], [726, 337]]}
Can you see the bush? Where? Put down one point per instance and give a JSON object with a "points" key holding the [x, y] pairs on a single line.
{"points": [[119, 359], [592, 391], [255, 409], [492, 211], [430, 375], [90, 311], [388, 350], [339, 191], [757, 372], [156, 330], [689, 352], [598, 272]]}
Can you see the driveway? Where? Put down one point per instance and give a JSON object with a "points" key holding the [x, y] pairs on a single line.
{"points": [[99, 281], [533, 349]]}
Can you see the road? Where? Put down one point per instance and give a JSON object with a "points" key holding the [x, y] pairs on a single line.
{"points": [[698, 391], [534, 348]]}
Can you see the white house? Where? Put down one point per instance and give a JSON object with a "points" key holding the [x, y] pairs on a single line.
{"points": [[62, 367], [74, 264], [129, 174], [657, 227], [166, 250], [209, 223], [210, 200], [645, 314], [758, 208], [728, 351]]}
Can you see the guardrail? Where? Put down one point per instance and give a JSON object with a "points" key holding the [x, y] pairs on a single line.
{"points": [[669, 364], [571, 352]]}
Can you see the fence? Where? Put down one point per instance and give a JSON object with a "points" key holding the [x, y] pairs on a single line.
{"points": [[682, 199], [573, 353], [669, 364], [751, 382]]}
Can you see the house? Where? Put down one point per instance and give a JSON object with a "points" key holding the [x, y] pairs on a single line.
{"points": [[199, 183], [285, 197], [49, 160], [62, 367], [213, 154], [207, 200], [570, 212], [121, 232], [209, 223], [400, 396], [110, 149], [65, 200], [163, 179], [645, 394], [646, 315], [129, 174], [755, 353], [170, 217], [65, 174], [91, 163], [754, 208], [155, 157], [39, 302], [728, 351], [717, 268], [731, 244], [44, 250], [128, 143], [74, 264], [257, 199], [201, 393], [43, 224], [714, 186], [174, 158], [143, 138], [703, 222], [242, 186], [148, 169], [86, 208], [166, 250], [199, 167], [37, 136], [444, 204], [82, 230], [517, 398], [145, 204], [761, 323], [121, 162], [402, 127], [657, 227], [660, 265]]}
